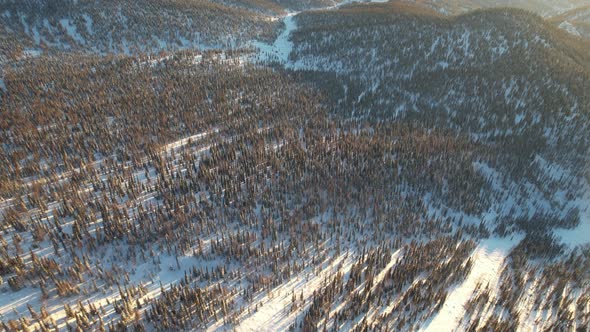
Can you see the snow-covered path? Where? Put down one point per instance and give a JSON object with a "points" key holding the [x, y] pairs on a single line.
{"points": [[274, 314], [281, 48], [488, 259]]}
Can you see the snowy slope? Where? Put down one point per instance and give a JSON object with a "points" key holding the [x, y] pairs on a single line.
{"points": [[358, 167], [489, 259]]}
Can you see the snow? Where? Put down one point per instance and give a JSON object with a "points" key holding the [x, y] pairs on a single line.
{"points": [[31, 53], [488, 260], [182, 142], [71, 30], [89, 24], [125, 46], [465, 41], [161, 43], [282, 46], [146, 273], [275, 313], [400, 109], [376, 281], [36, 36], [567, 26], [442, 64], [519, 199], [581, 234], [541, 41], [23, 20], [508, 90], [184, 42]]}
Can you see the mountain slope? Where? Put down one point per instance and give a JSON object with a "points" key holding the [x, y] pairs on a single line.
{"points": [[491, 74], [545, 8], [376, 168], [554, 10], [188, 156], [131, 26]]}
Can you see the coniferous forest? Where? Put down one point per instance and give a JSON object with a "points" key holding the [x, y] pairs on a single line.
{"points": [[277, 165]]}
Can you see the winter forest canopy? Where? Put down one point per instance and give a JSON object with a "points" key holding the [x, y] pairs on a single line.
{"points": [[280, 165]]}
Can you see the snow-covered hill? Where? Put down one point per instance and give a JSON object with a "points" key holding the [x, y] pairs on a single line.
{"points": [[490, 74], [131, 26], [569, 15], [545, 8], [363, 167]]}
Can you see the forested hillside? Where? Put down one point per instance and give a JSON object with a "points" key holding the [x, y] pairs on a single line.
{"points": [[501, 76], [129, 26]]}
